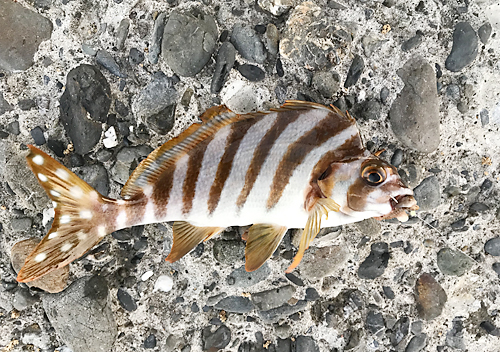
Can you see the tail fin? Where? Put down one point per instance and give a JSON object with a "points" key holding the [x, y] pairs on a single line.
{"points": [[79, 220]]}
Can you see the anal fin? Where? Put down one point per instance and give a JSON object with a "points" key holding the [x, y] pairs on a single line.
{"points": [[187, 236], [321, 207], [262, 241]]}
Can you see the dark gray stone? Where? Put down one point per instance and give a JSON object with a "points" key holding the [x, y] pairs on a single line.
{"points": [[399, 331], [122, 32], [82, 315], [484, 117], [242, 278], [355, 71], [353, 338], [312, 294], [251, 72], [384, 94], [126, 300], [496, 268], [96, 176], [4, 105], [455, 337], [464, 49], [369, 109], [414, 115], [150, 341], [214, 341], [274, 298], [223, 65], [248, 43], [23, 299], [417, 343], [428, 193], [273, 315], [388, 292], [26, 104], [21, 224], [490, 328], [459, 225], [327, 83], [453, 262], [124, 159], [235, 304], [376, 262], [107, 61], [156, 38], [135, 57], [189, 40], [87, 92], [430, 297], [158, 95], [492, 246], [484, 32], [22, 32], [374, 322], [162, 122], [413, 42], [397, 157], [323, 261], [478, 207], [228, 252], [305, 344], [37, 135]]}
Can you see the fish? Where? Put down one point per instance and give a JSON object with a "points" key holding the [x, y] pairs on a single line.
{"points": [[302, 165]]}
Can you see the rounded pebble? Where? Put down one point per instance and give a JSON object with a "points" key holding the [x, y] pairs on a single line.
{"points": [[164, 283], [464, 49], [492, 247], [453, 262]]}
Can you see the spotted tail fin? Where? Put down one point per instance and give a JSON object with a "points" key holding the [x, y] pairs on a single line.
{"points": [[79, 222]]}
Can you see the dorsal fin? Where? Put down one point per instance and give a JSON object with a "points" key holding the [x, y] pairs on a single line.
{"points": [[167, 154]]}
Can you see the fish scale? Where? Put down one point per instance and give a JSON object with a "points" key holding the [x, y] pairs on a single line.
{"points": [[301, 165]]}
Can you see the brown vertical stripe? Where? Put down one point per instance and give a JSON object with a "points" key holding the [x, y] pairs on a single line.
{"points": [[351, 148], [192, 173], [238, 131], [161, 191], [283, 118], [328, 127]]}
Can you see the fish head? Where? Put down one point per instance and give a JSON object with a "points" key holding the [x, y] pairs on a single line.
{"points": [[370, 187]]}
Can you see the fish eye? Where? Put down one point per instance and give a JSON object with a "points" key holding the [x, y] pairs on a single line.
{"points": [[374, 175]]}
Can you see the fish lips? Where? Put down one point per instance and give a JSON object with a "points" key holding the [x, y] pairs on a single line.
{"points": [[400, 204]]}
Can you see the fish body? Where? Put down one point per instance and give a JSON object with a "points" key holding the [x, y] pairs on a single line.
{"points": [[299, 166]]}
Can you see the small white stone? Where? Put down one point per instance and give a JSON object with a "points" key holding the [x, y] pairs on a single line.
{"points": [[86, 214], [55, 193], [62, 174], [164, 283], [147, 275], [76, 192], [64, 219], [38, 159], [66, 247], [40, 257], [42, 177], [110, 139], [52, 235]]}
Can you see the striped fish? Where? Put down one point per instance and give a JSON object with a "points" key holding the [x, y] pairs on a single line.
{"points": [[302, 165]]}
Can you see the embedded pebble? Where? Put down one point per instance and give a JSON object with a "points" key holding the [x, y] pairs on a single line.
{"points": [[428, 193], [23, 299], [124, 158], [484, 32], [235, 304], [388, 292], [96, 176], [399, 331], [242, 278], [135, 57], [4, 105], [163, 283], [26, 104], [126, 301], [417, 343], [324, 261], [464, 49], [156, 39], [496, 268], [355, 71], [82, 316], [122, 32], [188, 41], [397, 157], [251, 72], [163, 121], [87, 92], [216, 340], [370, 109], [248, 43], [414, 114], [490, 328], [273, 315], [453, 262], [272, 40], [375, 264], [21, 224], [150, 341], [23, 31], [326, 82], [106, 60], [53, 282], [492, 246], [430, 297], [312, 294], [454, 337], [413, 42], [306, 344], [223, 65], [159, 94], [274, 298], [228, 251], [147, 275], [374, 322], [276, 7], [37, 135], [484, 117]]}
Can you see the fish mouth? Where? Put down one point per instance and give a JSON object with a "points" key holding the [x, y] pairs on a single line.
{"points": [[400, 204]]}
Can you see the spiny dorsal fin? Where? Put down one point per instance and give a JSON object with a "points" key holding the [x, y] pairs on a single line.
{"points": [[187, 236], [262, 241], [322, 207], [167, 154], [78, 223]]}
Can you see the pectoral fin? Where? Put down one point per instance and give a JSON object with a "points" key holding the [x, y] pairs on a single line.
{"points": [[187, 236], [313, 225], [262, 241]]}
